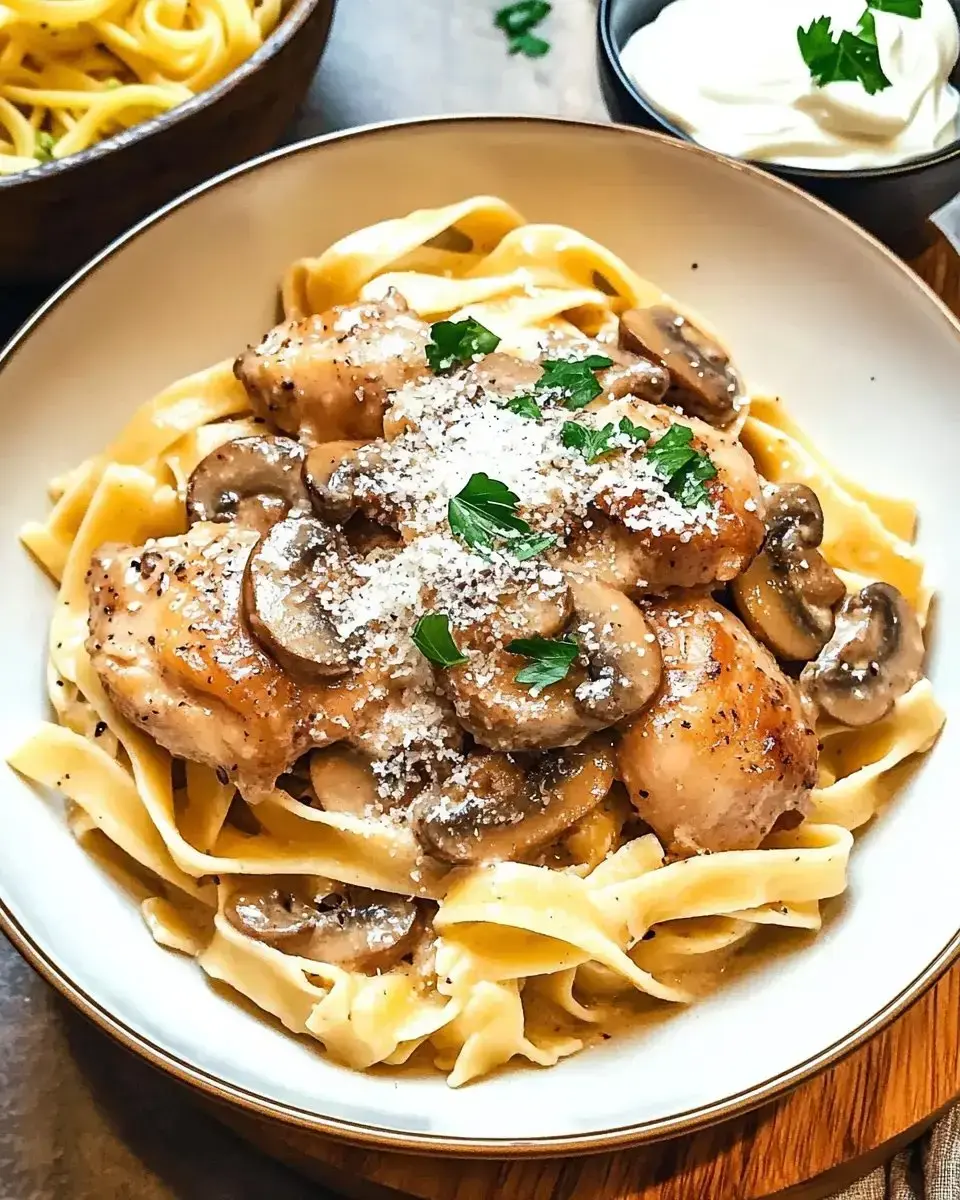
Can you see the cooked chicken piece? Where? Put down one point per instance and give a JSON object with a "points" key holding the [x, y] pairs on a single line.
{"points": [[653, 560], [723, 751], [169, 645], [328, 377]]}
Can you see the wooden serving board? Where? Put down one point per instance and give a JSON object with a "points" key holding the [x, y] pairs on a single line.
{"points": [[807, 1145]]}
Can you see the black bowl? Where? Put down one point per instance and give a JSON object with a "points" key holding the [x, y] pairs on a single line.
{"points": [[893, 203]]}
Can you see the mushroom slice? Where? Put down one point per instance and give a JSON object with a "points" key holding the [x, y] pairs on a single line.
{"points": [[282, 582], [788, 594], [622, 654], [334, 504], [343, 781], [704, 381], [643, 379], [874, 657], [348, 926], [494, 811], [254, 481]]}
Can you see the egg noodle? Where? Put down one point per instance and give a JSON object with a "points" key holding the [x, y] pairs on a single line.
{"points": [[73, 72], [523, 951]]}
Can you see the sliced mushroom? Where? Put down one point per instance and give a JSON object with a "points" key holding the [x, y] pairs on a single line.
{"points": [[874, 657], [254, 481], [350, 927], [704, 382], [493, 810], [282, 583], [644, 379], [335, 504], [504, 374], [788, 594], [343, 781], [622, 655]]}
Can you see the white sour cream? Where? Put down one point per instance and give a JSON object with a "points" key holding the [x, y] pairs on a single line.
{"points": [[730, 74]]}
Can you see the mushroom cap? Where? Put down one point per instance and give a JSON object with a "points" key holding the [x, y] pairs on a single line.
{"points": [[331, 503], [343, 780], [644, 379], [622, 655], [254, 481], [704, 382], [282, 582], [351, 927], [496, 810], [788, 594], [873, 658]]}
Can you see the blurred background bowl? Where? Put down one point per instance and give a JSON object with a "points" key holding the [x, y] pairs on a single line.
{"points": [[56, 216], [893, 203]]}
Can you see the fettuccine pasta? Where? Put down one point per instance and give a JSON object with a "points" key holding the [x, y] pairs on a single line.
{"points": [[73, 72], [463, 945]]}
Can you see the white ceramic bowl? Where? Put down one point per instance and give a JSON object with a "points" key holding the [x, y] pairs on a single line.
{"points": [[815, 311]]}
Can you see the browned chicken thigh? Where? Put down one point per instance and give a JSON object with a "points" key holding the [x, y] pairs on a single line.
{"points": [[724, 749], [169, 645], [328, 377]]}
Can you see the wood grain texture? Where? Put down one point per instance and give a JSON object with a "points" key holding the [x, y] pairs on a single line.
{"points": [[806, 1146]]}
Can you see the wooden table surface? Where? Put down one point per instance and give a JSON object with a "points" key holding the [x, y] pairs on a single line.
{"points": [[80, 1119]]}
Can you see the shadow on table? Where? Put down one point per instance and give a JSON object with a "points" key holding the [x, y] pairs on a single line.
{"points": [[193, 1156]]}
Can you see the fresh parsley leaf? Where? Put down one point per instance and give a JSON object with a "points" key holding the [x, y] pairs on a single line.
{"points": [[684, 468], [483, 510], [592, 443], [530, 545], [853, 57], [550, 659], [903, 8], [45, 144], [458, 342], [525, 406], [687, 485], [637, 432], [520, 18], [432, 637], [573, 381], [673, 450], [530, 45]]}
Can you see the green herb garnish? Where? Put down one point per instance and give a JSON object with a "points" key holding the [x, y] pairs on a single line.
{"points": [[573, 381], [852, 57], [903, 8], [45, 144], [525, 406], [517, 21], [592, 443], [485, 510], [684, 468], [637, 432], [550, 659], [458, 342], [432, 637]]}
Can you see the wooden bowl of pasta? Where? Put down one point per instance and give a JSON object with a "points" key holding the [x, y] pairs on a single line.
{"points": [[518, 738], [103, 122]]}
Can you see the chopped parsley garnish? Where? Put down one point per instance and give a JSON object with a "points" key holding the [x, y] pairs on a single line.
{"points": [[432, 637], [530, 545], [518, 20], [854, 55], [45, 144], [525, 406], [550, 659], [637, 432], [592, 443], [685, 469], [573, 381], [458, 342], [485, 510]]}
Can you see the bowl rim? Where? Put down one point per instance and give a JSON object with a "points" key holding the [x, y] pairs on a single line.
{"points": [[289, 24], [611, 56], [383, 1138]]}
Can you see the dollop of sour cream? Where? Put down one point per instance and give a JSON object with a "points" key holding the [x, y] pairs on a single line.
{"points": [[731, 75]]}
